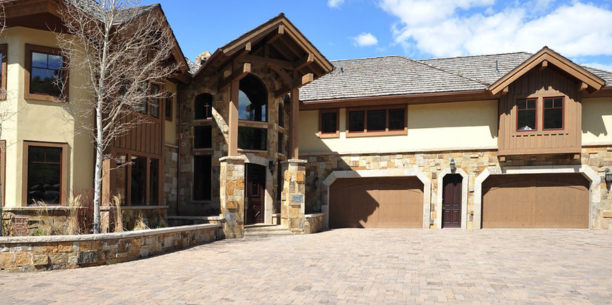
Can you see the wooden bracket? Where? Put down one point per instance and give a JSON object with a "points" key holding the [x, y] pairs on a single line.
{"points": [[281, 31], [502, 158], [583, 86], [505, 91], [238, 74], [304, 61], [544, 65], [306, 79]]}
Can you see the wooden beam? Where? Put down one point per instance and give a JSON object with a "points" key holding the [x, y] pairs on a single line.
{"points": [[282, 91], [294, 152], [247, 49], [281, 31], [583, 86], [502, 158], [287, 65], [505, 91], [304, 61], [237, 75], [305, 80], [232, 141], [544, 65]]}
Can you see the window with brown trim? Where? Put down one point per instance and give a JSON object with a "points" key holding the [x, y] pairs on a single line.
{"points": [[44, 68], [376, 121], [3, 57], [138, 184], [280, 143], [202, 107], [526, 119], [553, 113], [155, 91], [121, 178], [281, 115], [45, 172], [329, 124], [169, 108], [202, 137]]}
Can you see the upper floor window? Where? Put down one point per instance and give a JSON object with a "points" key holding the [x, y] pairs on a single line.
{"points": [[45, 73], [390, 121], [155, 92], [526, 116], [252, 100], [328, 123], [553, 113], [169, 107], [203, 107]]}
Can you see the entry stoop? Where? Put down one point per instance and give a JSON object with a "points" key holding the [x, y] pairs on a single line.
{"points": [[265, 230]]}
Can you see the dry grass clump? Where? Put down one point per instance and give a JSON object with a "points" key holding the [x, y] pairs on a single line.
{"points": [[48, 225], [118, 214], [73, 217], [140, 224]]}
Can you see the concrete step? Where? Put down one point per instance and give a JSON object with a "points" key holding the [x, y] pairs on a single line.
{"points": [[266, 230]]}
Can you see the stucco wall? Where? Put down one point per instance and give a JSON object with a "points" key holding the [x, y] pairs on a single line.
{"points": [[40, 121], [596, 121], [461, 125]]}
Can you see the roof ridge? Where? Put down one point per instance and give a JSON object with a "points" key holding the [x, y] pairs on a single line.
{"points": [[449, 72], [482, 55], [374, 57]]}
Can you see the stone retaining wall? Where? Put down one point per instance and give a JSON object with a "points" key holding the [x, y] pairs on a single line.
{"points": [[316, 223], [26, 254]]}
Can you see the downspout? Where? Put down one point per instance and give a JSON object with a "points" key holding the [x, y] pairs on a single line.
{"points": [[178, 163]]}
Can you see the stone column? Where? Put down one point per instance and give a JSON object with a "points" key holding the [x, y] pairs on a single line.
{"points": [[232, 195], [294, 190]]}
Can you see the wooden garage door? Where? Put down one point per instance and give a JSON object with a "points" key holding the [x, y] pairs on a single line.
{"points": [[535, 201], [376, 203]]}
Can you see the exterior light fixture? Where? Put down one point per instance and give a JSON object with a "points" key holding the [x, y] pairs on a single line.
{"points": [[452, 165], [608, 176], [271, 166]]}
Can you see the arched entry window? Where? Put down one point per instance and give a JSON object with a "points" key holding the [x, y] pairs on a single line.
{"points": [[253, 99]]}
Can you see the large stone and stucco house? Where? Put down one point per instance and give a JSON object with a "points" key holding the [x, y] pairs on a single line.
{"points": [[267, 130]]}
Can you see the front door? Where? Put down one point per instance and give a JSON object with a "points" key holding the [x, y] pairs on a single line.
{"points": [[255, 183], [451, 203]]}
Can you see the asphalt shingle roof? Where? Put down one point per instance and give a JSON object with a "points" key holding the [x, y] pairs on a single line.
{"points": [[398, 75]]}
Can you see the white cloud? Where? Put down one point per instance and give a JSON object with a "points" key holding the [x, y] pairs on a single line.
{"points": [[599, 66], [440, 29], [334, 3], [365, 40]]}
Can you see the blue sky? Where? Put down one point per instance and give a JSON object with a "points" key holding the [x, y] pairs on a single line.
{"points": [[344, 29]]}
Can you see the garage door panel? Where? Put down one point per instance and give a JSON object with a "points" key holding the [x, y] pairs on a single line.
{"points": [[536, 201], [376, 203]]}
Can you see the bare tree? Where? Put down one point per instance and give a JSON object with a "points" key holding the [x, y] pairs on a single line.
{"points": [[121, 47]]}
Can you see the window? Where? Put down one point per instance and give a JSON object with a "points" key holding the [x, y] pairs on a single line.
{"points": [[121, 178], [376, 121], [202, 177], [280, 143], [203, 107], [553, 113], [3, 56], [155, 91], [46, 172], [45, 67], [252, 99], [169, 108], [144, 105], [328, 123], [202, 137], [139, 174], [281, 115], [526, 116], [252, 138], [153, 181]]}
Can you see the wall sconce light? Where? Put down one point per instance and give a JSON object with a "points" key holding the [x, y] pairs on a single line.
{"points": [[452, 165], [608, 176], [315, 182], [271, 166]]}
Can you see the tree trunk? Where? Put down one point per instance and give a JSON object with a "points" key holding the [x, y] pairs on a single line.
{"points": [[97, 181]]}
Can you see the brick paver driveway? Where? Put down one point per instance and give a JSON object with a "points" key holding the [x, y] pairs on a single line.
{"points": [[384, 266]]}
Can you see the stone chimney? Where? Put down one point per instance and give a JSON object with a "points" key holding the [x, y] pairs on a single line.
{"points": [[202, 58]]}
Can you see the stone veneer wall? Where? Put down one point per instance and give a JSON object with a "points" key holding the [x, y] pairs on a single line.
{"points": [[171, 178], [208, 84], [316, 223], [474, 162], [25, 254]]}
